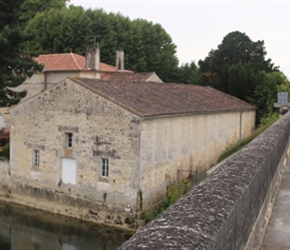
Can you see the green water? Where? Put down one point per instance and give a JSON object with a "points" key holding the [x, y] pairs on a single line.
{"points": [[24, 228]]}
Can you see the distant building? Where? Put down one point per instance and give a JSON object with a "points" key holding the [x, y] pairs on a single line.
{"points": [[57, 67], [114, 146]]}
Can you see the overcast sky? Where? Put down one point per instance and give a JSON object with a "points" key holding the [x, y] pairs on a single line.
{"points": [[196, 27]]}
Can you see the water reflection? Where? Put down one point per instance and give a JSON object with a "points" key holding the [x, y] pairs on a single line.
{"points": [[24, 228]]}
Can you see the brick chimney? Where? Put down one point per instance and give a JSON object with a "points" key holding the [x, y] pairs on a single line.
{"points": [[120, 60], [93, 58]]}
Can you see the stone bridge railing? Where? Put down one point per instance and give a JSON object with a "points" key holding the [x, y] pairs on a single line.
{"points": [[231, 207]]}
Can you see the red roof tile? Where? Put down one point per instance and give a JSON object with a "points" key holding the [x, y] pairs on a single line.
{"points": [[153, 99], [69, 62]]}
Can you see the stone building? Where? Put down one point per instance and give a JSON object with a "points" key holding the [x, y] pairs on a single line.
{"points": [[116, 145], [57, 67]]}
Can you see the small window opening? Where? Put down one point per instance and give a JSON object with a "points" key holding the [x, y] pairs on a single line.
{"points": [[69, 138], [105, 167], [36, 155]]}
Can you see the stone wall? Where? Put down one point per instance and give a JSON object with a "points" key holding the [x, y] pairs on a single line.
{"points": [[228, 210], [174, 147], [100, 129], [36, 84], [144, 154], [4, 168]]}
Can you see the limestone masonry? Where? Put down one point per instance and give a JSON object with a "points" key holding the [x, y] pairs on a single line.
{"points": [[103, 150]]}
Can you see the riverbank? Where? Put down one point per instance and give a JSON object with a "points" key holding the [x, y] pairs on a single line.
{"points": [[60, 202], [25, 228]]}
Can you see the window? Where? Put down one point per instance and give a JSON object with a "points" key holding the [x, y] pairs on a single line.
{"points": [[68, 139], [105, 167], [35, 158]]}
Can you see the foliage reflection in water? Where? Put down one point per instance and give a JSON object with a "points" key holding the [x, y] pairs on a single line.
{"points": [[26, 228]]}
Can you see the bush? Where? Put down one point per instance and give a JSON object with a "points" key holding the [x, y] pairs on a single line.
{"points": [[5, 153], [4, 136], [174, 192]]}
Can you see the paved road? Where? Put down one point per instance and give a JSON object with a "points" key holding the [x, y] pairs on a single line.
{"points": [[277, 236]]}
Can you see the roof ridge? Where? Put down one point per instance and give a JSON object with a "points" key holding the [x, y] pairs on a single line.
{"points": [[75, 60]]}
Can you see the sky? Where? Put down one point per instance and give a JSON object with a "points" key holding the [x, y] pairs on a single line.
{"points": [[197, 27]]}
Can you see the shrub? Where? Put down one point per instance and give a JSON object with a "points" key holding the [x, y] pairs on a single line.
{"points": [[2, 158], [6, 151], [174, 192], [4, 136]]}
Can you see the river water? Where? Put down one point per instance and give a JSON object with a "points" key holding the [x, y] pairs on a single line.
{"points": [[23, 228]]}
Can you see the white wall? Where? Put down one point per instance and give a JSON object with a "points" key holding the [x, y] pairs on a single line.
{"points": [[185, 143]]}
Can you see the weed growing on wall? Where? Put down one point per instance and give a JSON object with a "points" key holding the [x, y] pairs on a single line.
{"points": [[174, 192], [5, 153]]}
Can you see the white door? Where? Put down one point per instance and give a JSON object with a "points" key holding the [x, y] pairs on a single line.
{"points": [[69, 170]]}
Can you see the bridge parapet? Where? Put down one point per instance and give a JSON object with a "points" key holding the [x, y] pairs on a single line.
{"points": [[231, 207]]}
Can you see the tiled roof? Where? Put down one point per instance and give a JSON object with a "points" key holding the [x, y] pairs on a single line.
{"points": [[128, 76], [154, 99], [69, 62]]}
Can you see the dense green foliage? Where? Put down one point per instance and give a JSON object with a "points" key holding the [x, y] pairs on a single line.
{"points": [[187, 73], [5, 152], [236, 53], [147, 46], [30, 8], [15, 66], [239, 67]]}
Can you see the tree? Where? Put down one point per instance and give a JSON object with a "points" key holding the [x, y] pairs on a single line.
{"points": [[265, 93], [188, 73], [15, 66], [30, 8], [156, 51], [147, 46], [236, 49], [239, 67], [59, 31]]}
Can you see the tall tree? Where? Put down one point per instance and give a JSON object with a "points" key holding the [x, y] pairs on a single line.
{"points": [[15, 66], [156, 51], [239, 67], [59, 31], [30, 8], [236, 49], [187, 73], [265, 93], [147, 46]]}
